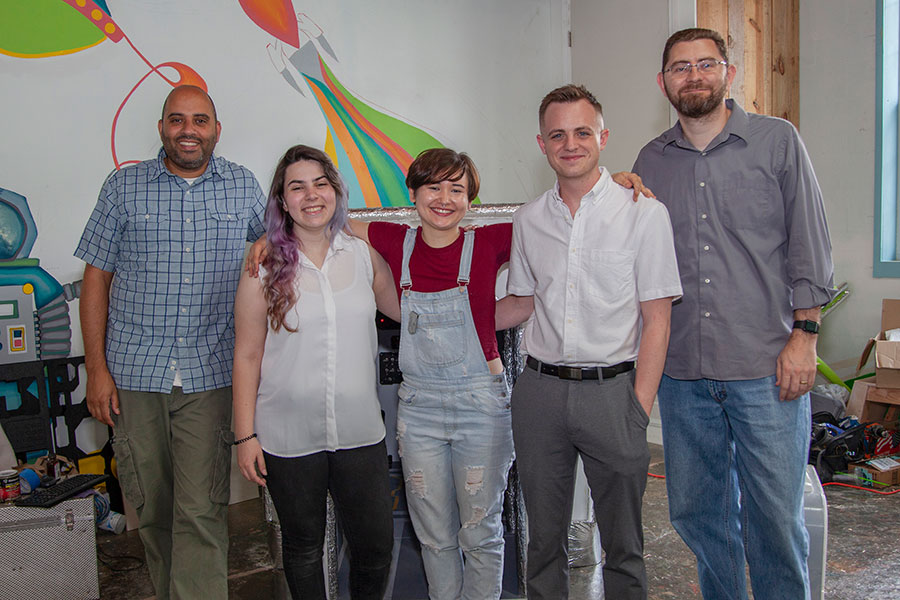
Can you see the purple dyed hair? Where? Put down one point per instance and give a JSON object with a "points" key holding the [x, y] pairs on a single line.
{"points": [[283, 259]]}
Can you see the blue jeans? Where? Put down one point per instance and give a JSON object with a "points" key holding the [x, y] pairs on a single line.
{"points": [[735, 461], [456, 450]]}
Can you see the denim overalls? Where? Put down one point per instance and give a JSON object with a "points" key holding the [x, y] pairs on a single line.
{"points": [[455, 437]]}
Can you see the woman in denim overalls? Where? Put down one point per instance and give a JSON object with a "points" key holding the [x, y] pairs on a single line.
{"points": [[453, 420], [453, 425]]}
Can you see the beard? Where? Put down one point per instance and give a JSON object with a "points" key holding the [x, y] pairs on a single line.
{"points": [[695, 106], [188, 163]]}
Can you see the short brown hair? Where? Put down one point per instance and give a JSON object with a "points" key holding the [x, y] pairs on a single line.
{"points": [[443, 164], [565, 94], [690, 35]]}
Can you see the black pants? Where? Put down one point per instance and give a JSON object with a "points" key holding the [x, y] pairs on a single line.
{"points": [[358, 482]]}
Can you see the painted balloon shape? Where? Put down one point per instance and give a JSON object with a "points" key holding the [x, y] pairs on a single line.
{"points": [[41, 28]]}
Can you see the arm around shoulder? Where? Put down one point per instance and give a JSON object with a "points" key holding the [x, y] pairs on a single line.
{"points": [[512, 310], [359, 229], [383, 286]]}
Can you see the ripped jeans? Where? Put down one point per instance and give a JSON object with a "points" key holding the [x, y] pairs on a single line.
{"points": [[456, 448]]}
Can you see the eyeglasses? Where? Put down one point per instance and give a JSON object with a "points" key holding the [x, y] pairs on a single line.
{"points": [[704, 67]]}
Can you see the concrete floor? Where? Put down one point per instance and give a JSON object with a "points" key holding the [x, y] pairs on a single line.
{"points": [[863, 560]]}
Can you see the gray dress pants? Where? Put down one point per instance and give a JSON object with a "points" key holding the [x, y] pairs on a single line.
{"points": [[554, 421]]}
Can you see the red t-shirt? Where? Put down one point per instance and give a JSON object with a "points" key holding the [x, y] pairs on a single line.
{"points": [[437, 269]]}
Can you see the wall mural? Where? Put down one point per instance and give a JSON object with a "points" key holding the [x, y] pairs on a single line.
{"points": [[35, 333], [34, 314], [372, 149], [80, 106]]}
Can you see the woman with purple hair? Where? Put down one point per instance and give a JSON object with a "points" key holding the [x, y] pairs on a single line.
{"points": [[306, 415]]}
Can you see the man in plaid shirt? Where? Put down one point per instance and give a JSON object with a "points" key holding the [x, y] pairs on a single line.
{"points": [[163, 251]]}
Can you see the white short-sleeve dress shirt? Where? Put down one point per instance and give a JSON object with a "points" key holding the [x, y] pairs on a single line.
{"points": [[317, 388], [589, 274]]}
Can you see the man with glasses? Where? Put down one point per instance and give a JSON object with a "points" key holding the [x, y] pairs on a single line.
{"points": [[755, 261]]}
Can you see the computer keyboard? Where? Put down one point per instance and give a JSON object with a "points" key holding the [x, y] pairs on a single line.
{"points": [[56, 493]]}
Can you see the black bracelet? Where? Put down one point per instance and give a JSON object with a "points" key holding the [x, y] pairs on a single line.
{"points": [[246, 439], [807, 325]]}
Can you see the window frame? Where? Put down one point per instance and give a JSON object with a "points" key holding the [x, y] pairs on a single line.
{"points": [[887, 168]]}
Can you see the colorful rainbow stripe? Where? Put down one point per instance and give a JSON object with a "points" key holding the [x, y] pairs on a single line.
{"points": [[378, 148]]}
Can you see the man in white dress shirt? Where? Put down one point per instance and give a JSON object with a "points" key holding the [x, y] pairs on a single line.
{"points": [[601, 273]]}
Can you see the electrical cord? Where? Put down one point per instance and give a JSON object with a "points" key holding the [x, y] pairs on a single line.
{"points": [[859, 487], [856, 487]]}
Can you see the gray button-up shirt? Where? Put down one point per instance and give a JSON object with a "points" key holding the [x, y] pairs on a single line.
{"points": [[751, 240]]}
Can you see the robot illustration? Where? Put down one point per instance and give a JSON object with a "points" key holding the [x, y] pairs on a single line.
{"points": [[34, 310]]}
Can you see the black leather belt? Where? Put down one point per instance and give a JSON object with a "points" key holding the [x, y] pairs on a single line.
{"points": [[578, 373]]}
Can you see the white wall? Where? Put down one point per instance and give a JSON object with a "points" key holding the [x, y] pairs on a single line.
{"points": [[616, 50], [837, 122]]}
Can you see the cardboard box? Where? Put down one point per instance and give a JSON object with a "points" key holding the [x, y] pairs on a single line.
{"points": [[887, 354], [871, 476], [870, 403]]}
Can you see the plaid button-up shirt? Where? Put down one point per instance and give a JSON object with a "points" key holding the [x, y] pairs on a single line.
{"points": [[176, 250]]}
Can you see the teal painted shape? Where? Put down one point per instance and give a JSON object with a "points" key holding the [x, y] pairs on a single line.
{"points": [[10, 392], [46, 288], [18, 230]]}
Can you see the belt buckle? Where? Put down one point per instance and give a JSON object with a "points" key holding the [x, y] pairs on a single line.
{"points": [[569, 373]]}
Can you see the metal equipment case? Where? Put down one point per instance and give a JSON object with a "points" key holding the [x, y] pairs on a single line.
{"points": [[49, 553]]}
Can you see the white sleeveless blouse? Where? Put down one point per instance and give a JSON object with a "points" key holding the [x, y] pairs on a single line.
{"points": [[317, 388]]}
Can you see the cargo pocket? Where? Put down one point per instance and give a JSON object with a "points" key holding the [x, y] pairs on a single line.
{"points": [[126, 471], [220, 489]]}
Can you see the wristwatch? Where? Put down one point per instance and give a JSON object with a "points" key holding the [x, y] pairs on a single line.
{"points": [[807, 326]]}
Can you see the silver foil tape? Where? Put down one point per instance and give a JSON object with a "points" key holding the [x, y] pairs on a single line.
{"points": [[481, 214], [584, 544], [331, 549], [331, 546]]}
